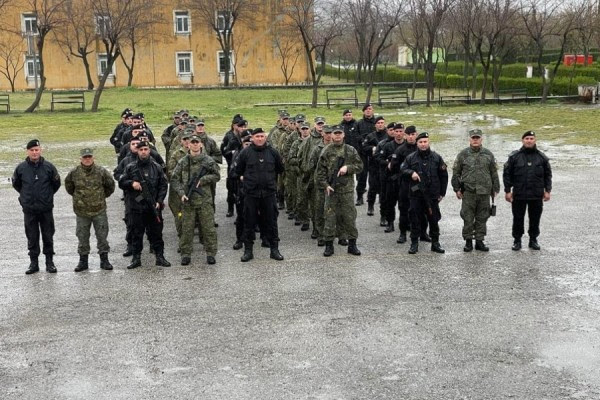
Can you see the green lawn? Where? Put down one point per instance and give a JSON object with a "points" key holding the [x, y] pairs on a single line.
{"points": [[69, 128]]}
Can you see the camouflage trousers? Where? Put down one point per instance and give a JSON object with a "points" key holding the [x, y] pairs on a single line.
{"points": [[175, 207], [290, 190], [82, 230], [475, 211], [205, 214], [340, 216], [303, 211]]}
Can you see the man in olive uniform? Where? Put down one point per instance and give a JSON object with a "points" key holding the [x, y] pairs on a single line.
{"points": [[193, 179], [280, 130], [166, 137], [174, 197], [293, 165], [527, 185], [90, 185], [428, 177], [291, 174], [336, 168], [475, 181], [319, 195]]}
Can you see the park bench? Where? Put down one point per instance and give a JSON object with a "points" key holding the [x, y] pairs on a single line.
{"points": [[5, 101], [341, 96], [70, 97], [393, 96], [513, 94], [463, 98]]}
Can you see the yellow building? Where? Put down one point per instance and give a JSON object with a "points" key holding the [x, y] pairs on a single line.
{"points": [[179, 50]]}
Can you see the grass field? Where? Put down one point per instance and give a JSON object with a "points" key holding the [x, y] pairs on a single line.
{"points": [[68, 128]]}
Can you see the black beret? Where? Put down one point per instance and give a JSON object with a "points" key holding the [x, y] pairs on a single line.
{"points": [[246, 132], [142, 143], [246, 138], [242, 122], [410, 129], [257, 131], [391, 125], [33, 143], [139, 116], [134, 127], [379, 118], [399, 126], [347, 111], [423, 135], [367, 105], [528, 133], [236, 118]]}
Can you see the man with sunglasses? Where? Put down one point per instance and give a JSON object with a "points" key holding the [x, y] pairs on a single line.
{"points": [[90, 185]]}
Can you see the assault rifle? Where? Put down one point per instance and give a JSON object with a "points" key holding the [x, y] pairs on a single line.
{"points": [[194, 183], [339, 163], [423, 187], [147, 196]]}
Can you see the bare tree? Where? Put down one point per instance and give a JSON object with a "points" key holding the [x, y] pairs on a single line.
{"points": [[11, 62], [318, 25], [359, 15], [286, 46], [49, 15], [588, 27], [77, 35], [412, 36], [464, 19], [222, 16]]}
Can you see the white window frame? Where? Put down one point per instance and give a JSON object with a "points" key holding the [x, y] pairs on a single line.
{"points": [[181, 55], [103, 57], [232, 64], [220, 20], [102, 24], [30, 63], [31, 20], [176, 18]]}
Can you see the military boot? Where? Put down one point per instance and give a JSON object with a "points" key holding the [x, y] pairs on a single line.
{"points": [[161, 261], [401, 238], [305, 227], [320, 243], [275, 254], [425, 238], [436, 247], [104, 263], [516, 245], [314, 234], [265, 243], [533, 244], [352, 249], [359, 200], [238, 245], [186, 260], [136, 261], [342, 242], [50, 267], [414, 247], [390, 227], [128, 251], [83, 263], [480, 245], [468, 245], [328, 248], [33, 265], [370, 209], [210, 260], [248, 255], [383, 221], [229, 210]]}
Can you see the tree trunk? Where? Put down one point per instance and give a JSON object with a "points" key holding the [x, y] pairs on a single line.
{"points": [[102, 82], [88, 74], [42, 86]]}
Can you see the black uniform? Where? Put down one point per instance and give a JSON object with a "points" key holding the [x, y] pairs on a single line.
{"points": [[363, 127], [142, 216], [260, 166], [390, 180], [424, 194], [396, 161], [351, 134], [369, 143], [231, 143], [36, 183], [528, 174], [115, 138]]}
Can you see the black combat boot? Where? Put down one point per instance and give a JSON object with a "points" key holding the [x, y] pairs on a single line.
{"points": [[104, 263], [210, 260], [383, 221], [352, 249], [342, 242], [186, 260], [414, 246], [305, 227], [480, 245], [280, 205], [401, 238], [247, 256], [229, 210], [314, 234], [238, 245], [136, 261], [533, 244], [320, 243], [328, 248], [468, 245], [275, 254], [425, 238], [436, 247], [161, 261], [34, 266], [291, 215], [370, 209], [390, 227], [265, 243], [50, 267], [128, 252], [359, 200], [83, 263], [516, 245], [296, 222]]}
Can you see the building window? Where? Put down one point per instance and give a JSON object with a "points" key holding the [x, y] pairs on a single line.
{"points": [[30, 24], [103, 64], [221, 63], [102, 25], [224, 20], [31, 69], [182, 22], [184, 63]]}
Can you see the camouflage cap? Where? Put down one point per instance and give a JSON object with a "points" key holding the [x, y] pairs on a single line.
{"points": [[200, 122], [86, 152], [194, 138], [319, 120], [475, 133], [284, 115], [300, 117], [327, 129], [337, 128], [305, 125]]}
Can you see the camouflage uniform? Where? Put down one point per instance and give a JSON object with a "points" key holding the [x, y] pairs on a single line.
{"points": [[90, 186], [199, 205], [339, 206], [318, 195], [174, 198], [291, 173], [475, 174], [307, 188], [301, 207], [212, 150]]}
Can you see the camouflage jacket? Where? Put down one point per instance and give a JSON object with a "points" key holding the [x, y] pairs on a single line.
{"points": [[89, 186], [210, 148], [475, 171], [286, 144], [293, 163], [186, 170], [327, 163], [174, 159]]}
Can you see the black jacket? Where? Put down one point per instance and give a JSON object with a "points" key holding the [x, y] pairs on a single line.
{"points": [[229, 136], [115, 139], [384, 156], [433, 172], [36, 184], [259, 166], [528, 174], [351, 135], [148, 173], [369, 143]]}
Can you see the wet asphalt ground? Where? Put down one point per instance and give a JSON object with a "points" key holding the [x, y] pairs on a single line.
{"points": [[385, 325]]}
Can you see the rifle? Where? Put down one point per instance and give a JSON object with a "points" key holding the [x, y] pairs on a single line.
{"points": [[336, 170], [423, 187], [194, 183], [148, 198]]}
